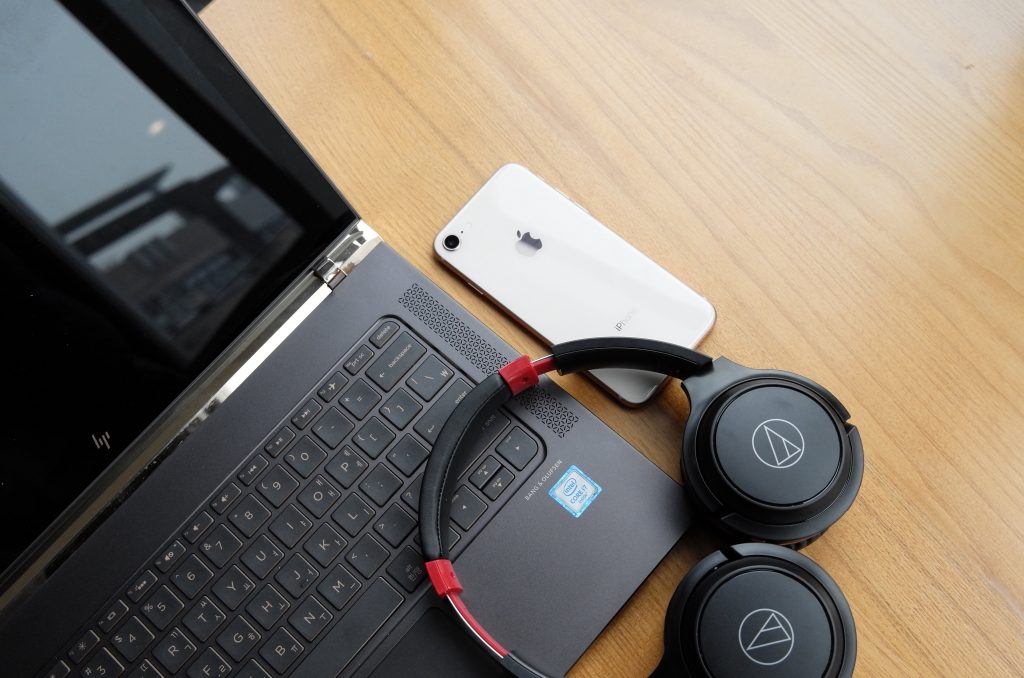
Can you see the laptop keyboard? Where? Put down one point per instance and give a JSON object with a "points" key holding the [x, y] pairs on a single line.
{"points": [[312, 542]]}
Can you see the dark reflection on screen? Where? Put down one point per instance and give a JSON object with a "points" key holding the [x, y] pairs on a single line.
{"points": [[128, 241]]}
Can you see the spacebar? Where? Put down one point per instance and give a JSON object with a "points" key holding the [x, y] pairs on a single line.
{"points": [[335, 650]]}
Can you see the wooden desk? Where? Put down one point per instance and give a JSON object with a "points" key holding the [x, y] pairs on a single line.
{"points": [[845, 181]]}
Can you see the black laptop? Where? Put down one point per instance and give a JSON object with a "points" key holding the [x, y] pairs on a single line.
{"points": [[222, 387]]}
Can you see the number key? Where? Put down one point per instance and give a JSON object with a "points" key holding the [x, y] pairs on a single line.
{"points": [[248, 515], [277, 485], [192, 576], [131, 639], [161, 607], [220, 545], [305, 456]]}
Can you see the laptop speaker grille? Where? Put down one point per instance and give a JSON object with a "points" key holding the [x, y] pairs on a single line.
{"points": [[484, 356]]}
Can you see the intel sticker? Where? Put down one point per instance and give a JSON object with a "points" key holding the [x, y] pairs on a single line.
{"points": [[575, 491]]}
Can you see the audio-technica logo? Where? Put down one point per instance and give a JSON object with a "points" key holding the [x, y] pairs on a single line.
{"points": [[777, 443], [766, 637]]}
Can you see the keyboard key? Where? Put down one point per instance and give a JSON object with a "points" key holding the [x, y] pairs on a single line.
{"points": [[113, 615], [429, 378], [223, 500], [277, 485], [400, 408], [162, 607], [367, 555], [281, 650], [290, 526], [220, 545], [253, 469], [395, 361], [429, 425], [395, 525], [209, 665], [252, 670], [103, 664], [248, 515], [319, 496], [466, 507], [325, 545], [332, 387], [297, 575], [59, 670], [201, 523], [192, 576], [359, 357], [339, 587], [174, 650], [306, 414], [332, 427], [380, 484], [145, 670], [407, 569], [384, 333], [279, 441], [411, 496], [267, 607], [373, 437], [170, 556], [518, 448], [346, 467], [352, 514], [203, 619], [359, 399], [499, 482], [233, 587], [482, 475], [489, 430], [141, 586], [305, 456], [238, 638], [407, 455], [346, 638], [84, 646], [310, 618], [131, 639], [262, 557]]}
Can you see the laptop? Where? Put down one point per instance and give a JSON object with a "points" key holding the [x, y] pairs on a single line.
{"points": [[228, 386]]}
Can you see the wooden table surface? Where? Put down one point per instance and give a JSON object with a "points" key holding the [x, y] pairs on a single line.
{"points": [[844, 181]]}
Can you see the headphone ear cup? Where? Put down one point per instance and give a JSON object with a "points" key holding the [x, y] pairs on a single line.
{"points": [[767, 455], [758, 610]]}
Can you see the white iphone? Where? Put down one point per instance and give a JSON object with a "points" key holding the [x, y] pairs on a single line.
{"points": [[565, 276]]}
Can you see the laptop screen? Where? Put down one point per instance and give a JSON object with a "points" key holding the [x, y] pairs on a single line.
{"points": [[133, 251]]}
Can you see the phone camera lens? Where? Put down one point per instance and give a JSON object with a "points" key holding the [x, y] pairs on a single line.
{"points": [[451, 242]]}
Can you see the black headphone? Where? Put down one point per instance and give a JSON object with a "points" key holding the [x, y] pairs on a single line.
{"points": [[767, 455]]}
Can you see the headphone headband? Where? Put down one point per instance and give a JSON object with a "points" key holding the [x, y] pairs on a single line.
{"points": [[455, 442], [455, 439]]}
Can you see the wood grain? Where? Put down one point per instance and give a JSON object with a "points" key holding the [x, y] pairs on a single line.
{"points": [[845, 181]]}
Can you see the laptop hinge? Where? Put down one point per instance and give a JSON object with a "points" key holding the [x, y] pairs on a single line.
{"points": [[357, 242]]}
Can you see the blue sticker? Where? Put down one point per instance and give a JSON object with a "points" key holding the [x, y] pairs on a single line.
{"points": [[575, 491]]}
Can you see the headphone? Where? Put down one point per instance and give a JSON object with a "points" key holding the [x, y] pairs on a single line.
{"points": [[768, 456]]}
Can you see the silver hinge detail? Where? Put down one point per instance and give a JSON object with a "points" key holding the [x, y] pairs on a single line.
{"points": [[346, 255]]}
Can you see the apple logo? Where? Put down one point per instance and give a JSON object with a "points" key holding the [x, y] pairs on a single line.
{"points": [[527, 244]]}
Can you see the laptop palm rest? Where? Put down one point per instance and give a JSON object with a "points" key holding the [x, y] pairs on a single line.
{"points": [[436, 641]]}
